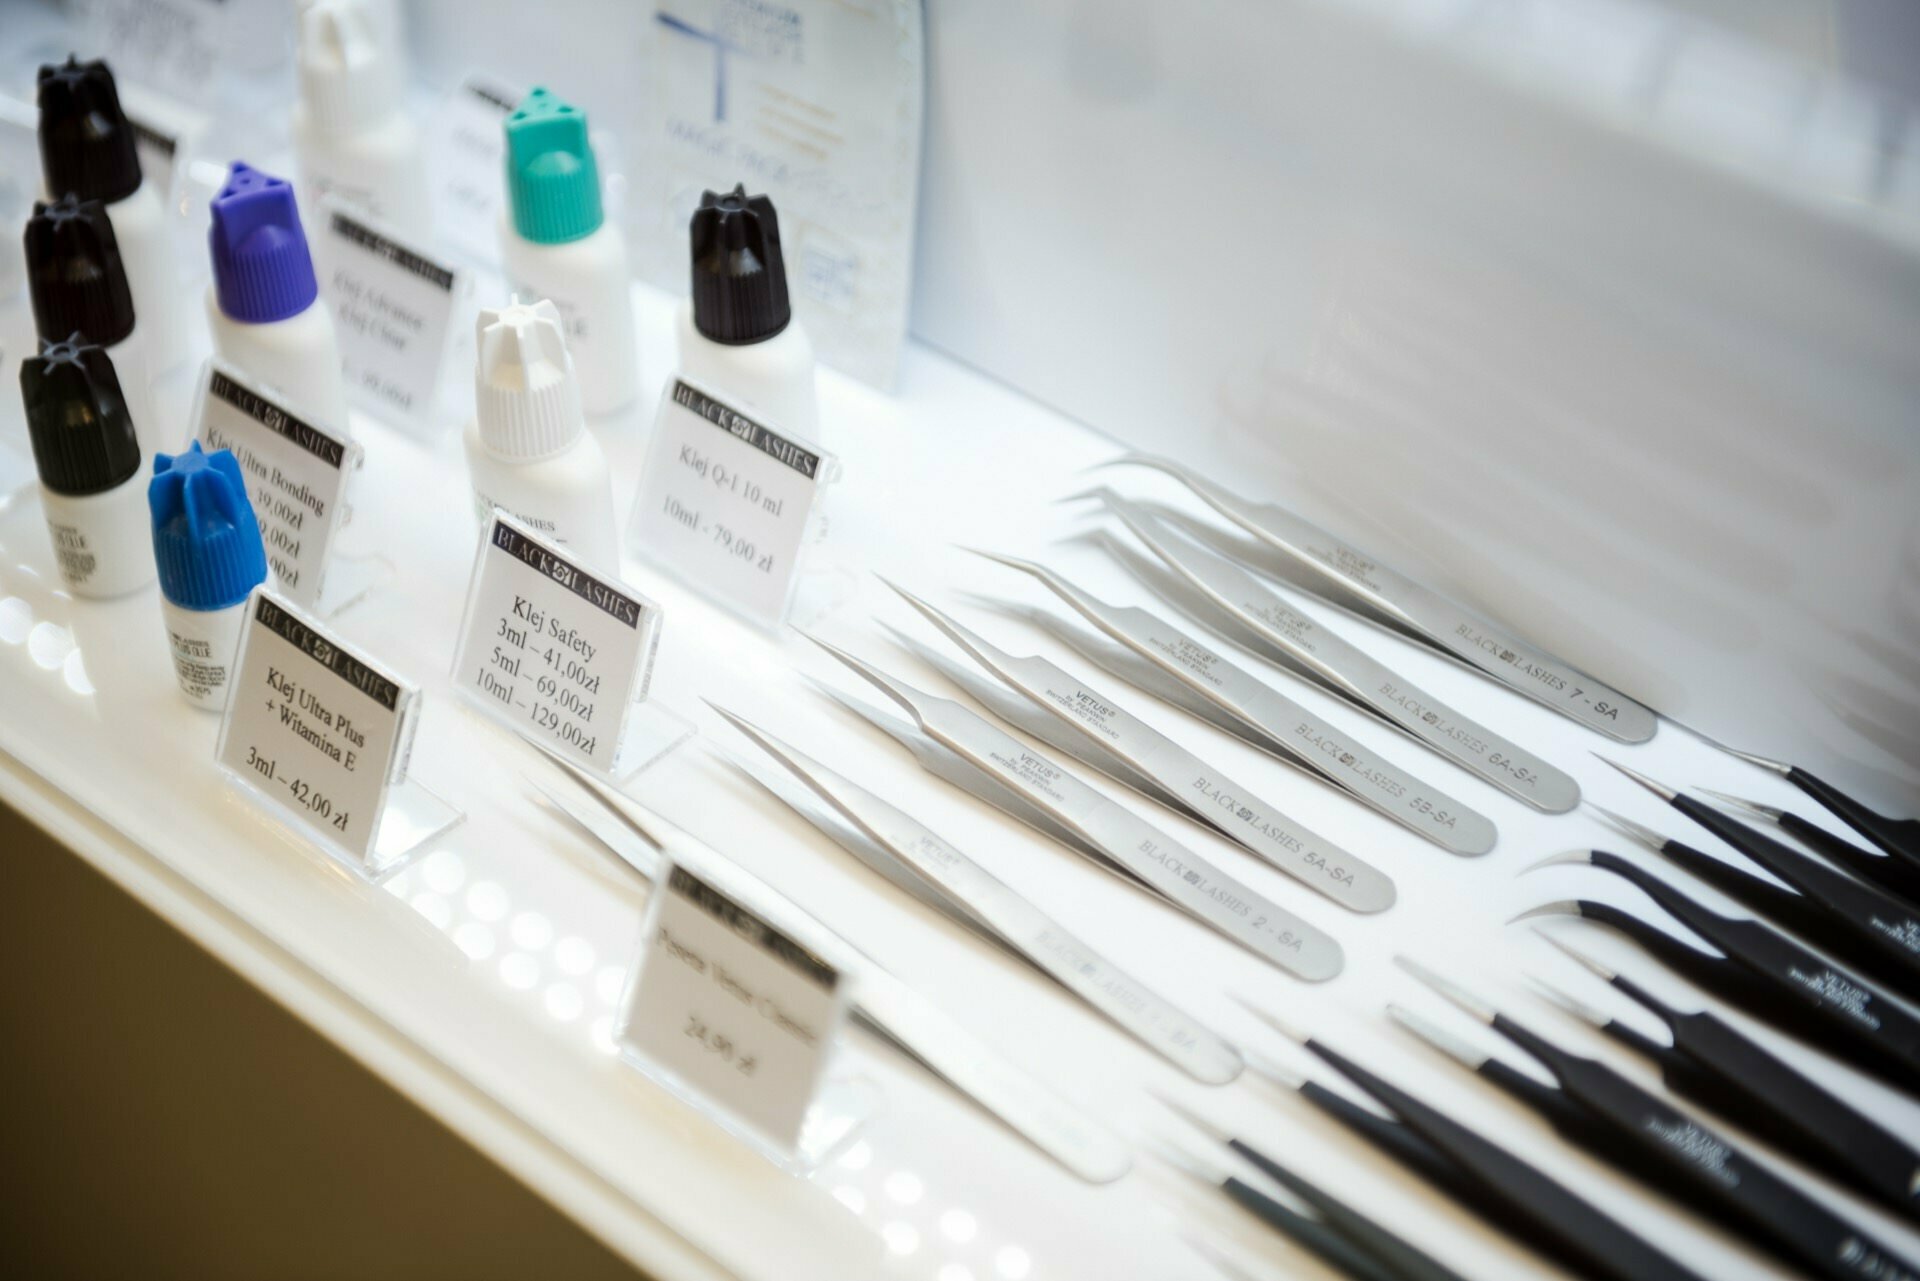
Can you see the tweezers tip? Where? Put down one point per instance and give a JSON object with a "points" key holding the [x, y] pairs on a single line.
{"points": [[998, 558], [1574, 954], [1571, 1004], [1272, 1020], [1215, 1132], [1564, 857], [1754, 758], [1769, 812], [1190, 1163], [1447, 988], [1661, 790], [1436, 1036], [1270, 1070], [1559, 907]]}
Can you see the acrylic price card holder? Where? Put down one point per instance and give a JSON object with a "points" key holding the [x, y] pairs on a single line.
{"points": [[298, 471], [319, 735], [562, 653], [729, 503], [398, 310], [741, 1020]]}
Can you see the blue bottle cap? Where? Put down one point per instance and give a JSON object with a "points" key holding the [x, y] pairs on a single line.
{"points": [[206, 540], [262, 270]]}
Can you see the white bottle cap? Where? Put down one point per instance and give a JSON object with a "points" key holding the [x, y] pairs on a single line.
{"points": [[350, 79], [526, 400]]}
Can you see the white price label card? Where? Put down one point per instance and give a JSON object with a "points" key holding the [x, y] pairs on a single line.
{"points": [[316, 729], [166, 133], [469, 147], [731, 1010], [296, 471], [556, 651], [174, 45], [393, 307], [724, 501]]}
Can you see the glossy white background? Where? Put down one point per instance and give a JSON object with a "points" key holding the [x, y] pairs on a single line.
{"points": [[490, 968], [1602, 318], [1691, 386]]}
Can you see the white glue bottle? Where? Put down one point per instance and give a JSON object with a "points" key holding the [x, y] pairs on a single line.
{"points": [[352, 136], [87, 150], [92, 490], [529, 452], [555, 243], [737, 334], [264, 304], [80, 292], [207, 547]]}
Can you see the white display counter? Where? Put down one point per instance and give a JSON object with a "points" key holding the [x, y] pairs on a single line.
{"points": [[481, 980]]}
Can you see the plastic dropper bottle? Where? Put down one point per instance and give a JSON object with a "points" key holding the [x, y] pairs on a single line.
{"points": [[556, 243], [737, 333], [207, 547], [351, 132], [79, 286], [529, 452], [389, 30], [87, 149], [88, 457], [264, 304]]}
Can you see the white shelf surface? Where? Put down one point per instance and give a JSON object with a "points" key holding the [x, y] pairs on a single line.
{"points": [[480, 980]]}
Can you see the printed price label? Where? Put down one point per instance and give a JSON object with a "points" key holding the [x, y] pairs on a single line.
{"points": [[313, 726], [166, 132], [296, 472], [393, 306], [558, 652], [724, 500], [469, 145], [731, 1008], [174, 45]]}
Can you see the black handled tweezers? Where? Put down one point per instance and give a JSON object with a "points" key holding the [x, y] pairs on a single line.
{"points": [[1875, 932], [1648, 1138], [1763, 972], [1714, 1064], [1897, 836], [1896, 873], [1498, 1185], [1339, 1234]]}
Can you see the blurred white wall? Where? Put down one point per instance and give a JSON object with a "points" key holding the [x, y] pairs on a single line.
{"points": [[1603, 314], [1601, 320]]}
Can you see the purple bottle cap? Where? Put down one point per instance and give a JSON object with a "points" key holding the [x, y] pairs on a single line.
{"points": [[262, 270]]}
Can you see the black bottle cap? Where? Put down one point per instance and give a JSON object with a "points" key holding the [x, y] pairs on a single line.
{"points": [[86, 145], [75, 274], [739, 273], [83, 439]]}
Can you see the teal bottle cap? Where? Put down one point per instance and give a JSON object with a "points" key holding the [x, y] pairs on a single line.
{"points": [[553, 184]]}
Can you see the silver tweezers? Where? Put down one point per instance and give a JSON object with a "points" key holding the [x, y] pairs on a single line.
{"points": [[1404, 605], [1306, 648], [904, 851], [1166, 662], [1039, 698], [882, 1003], [1035, 790]]}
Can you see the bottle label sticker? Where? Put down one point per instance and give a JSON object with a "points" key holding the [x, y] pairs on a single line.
{"points": [[724, 501], [296, 472], [314, 726], [393, 306], [560, 653], [469, 146], [732, 1009]]}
